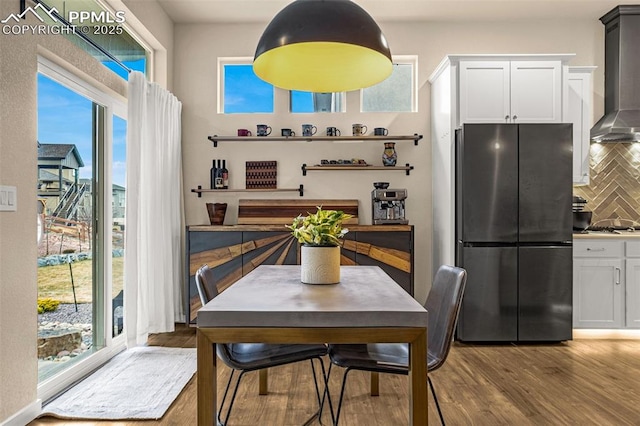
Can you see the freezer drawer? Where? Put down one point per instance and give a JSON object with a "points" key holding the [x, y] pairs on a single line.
{"points": [[489, 306], [545, 296]]}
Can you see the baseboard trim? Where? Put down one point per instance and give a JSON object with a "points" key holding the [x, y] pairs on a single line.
{"points": [[26, 415], [594, 333]]}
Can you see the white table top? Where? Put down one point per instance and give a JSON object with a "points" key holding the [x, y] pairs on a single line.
{"points": [[273, 296]]}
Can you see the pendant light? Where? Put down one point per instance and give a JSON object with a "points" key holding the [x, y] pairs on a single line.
{"points": [[322, 46]]}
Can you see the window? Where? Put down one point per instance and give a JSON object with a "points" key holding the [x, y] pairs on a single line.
{"points": [[398, 93], [107, 30], [240, 90], [316, 102]]}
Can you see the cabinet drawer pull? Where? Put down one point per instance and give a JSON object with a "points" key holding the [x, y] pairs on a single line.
{"points": [[506, 118], [595, 249], [618, 276], [515, 117]]}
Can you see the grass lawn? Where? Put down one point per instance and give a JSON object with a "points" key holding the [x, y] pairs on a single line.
{"points": [[55, 281]]}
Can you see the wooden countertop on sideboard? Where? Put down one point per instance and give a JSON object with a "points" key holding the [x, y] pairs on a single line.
{"points": [[354, 228]]}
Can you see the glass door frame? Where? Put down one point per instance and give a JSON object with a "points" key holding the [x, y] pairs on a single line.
{"points": [[106, 105]]}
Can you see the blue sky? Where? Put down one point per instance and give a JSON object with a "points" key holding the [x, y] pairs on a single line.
{"points": [[245, 92], [65, 117]]}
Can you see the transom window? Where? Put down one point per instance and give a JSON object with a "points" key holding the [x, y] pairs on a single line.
{"points": [[240, 90], [316, 102], [398, 93]]}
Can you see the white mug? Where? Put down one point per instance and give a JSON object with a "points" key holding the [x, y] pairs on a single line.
{"points": [[359, 129]]}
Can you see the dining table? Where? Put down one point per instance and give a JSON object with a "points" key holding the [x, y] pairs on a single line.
{"points": [[271, 305]]}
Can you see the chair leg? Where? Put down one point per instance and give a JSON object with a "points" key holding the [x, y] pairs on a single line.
{"points": [[233, 397], [318, 414], [327, 394], [224, 397], [344, 382], [435, 398]]}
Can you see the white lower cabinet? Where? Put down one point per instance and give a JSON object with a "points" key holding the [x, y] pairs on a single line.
{"points": [[597, 293], [606, 283], [632, 276]]}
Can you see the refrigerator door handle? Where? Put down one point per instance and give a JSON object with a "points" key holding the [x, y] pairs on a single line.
{"points": [[618, 276]]}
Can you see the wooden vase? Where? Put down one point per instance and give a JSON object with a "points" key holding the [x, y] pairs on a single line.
{"points": [[320, 265]]}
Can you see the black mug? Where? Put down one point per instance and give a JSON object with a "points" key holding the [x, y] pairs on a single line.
{"points": [[287, 132], [380, 131], [333, 131]]}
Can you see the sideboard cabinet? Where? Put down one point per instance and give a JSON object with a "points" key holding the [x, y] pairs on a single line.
{"points": [[234, 251]]}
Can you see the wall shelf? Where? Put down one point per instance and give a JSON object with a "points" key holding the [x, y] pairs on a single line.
{"points": [[390, 138], [201, 190], [333, 167]]}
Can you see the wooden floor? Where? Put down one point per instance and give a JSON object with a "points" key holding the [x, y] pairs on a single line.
{"points": [[582, 382]]}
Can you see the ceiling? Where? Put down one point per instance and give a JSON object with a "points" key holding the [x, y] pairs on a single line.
{"points": [[238, 11]]}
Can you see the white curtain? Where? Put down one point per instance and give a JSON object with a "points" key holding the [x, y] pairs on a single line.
{"points": [[154, 212]]}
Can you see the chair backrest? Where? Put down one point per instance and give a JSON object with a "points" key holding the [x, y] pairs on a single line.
{"points": [[443, 305], [207, 290], [205, 284]]}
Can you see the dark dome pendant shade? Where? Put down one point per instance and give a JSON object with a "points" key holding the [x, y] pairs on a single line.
{"points": [[323, 46]]}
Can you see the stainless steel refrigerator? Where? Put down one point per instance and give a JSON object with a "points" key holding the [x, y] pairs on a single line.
{"points": [[514, 231]]}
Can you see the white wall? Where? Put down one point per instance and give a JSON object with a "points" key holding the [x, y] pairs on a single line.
{"points": [[198, 47], [18, 164]]}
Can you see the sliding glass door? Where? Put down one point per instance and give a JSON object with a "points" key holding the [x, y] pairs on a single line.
{"points": [[81, 192]]}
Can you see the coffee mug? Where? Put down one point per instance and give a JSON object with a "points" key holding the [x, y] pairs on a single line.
{"points": [[309, 130], [380, 131], [333, 131], [287, 132], [359, 129], [263, 130], [244, 132]]}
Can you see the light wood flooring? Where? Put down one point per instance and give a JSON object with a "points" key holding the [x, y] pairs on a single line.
{"points": [[581, 382]]}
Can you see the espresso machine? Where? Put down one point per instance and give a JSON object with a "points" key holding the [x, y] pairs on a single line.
{"points": [[387, 205]]}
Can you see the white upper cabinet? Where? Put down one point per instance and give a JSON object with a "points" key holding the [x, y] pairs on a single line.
{"points": [[522, 91], [577, 109], [485, 91]]}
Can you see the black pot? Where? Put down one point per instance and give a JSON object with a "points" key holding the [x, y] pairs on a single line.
{"points": [[581, 220]]}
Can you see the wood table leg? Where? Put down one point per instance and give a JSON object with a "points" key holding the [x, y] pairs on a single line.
{"points": [[206, 380], [375, 383], [264, 381], [418, 413]]}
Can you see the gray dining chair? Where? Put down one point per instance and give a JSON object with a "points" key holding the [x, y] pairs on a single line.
{"points": [[246, 357], [443, 305]]}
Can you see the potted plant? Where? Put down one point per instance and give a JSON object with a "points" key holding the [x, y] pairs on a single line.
{"points": [[320, 234]]}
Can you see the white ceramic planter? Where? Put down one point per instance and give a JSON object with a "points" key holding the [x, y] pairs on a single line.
{"points": [[320, 265]]}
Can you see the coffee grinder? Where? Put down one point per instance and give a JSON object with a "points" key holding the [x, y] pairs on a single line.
{"points": [[387, 205]]}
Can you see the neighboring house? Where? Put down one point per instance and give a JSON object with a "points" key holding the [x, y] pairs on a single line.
{"points": [[118, 203], [58, 172], [118, 200]]}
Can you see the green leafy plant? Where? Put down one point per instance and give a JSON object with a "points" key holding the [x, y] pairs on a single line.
{"points": [[322, 228], [47, 305]]}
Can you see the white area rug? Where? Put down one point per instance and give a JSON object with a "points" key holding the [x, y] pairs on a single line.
{"points": [[139, 383]]}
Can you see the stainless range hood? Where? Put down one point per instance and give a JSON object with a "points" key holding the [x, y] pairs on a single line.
{"points": [[621, 122]]}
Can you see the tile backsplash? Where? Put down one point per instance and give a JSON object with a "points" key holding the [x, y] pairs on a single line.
{"points": [[614, 188]]}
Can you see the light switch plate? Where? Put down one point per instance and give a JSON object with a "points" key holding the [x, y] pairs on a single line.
{"points": [[8, 198]]}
